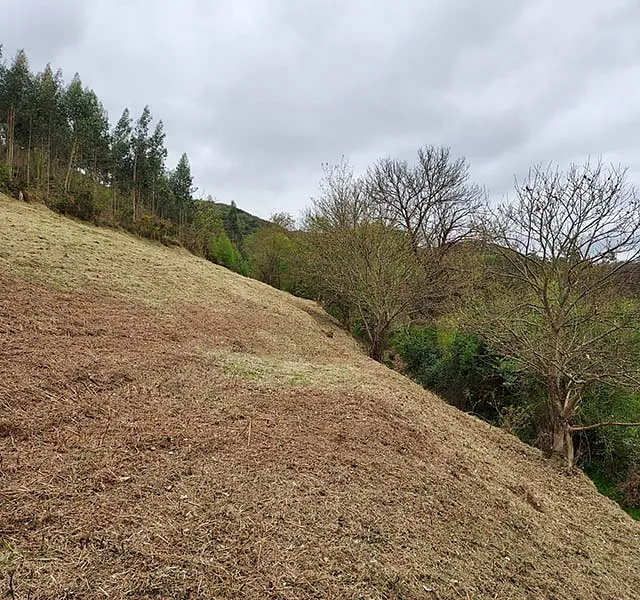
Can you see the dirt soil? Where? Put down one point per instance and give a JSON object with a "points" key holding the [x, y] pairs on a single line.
{"points": [[169, 429]]}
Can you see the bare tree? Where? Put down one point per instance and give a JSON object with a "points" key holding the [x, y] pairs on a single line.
{"points": [[284, 220], [434, 200], [342, 203], [436, 203], [554, 296], [360, 260]]}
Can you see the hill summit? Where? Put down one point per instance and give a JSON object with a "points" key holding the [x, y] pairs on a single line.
{"points": [[170, 429]]}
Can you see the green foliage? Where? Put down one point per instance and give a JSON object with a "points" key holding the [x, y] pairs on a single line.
{"points": [[181, 180], [80, 205], [420, 352], [156, 228], [222, 252], [609, 485], [460, 367], [271, 253], [233, 225], [206, 225], [248, 223], [617, 449]]}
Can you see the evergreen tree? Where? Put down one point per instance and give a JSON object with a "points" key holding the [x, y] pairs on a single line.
{"points": [[14, 95], [157, 155], [55, 140], [88, 124], [181, 182], [140, 145], [48, 123], [121, 157], [233, 225]]}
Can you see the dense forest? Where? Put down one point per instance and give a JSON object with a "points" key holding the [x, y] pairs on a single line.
{"points": [[523, 313]]}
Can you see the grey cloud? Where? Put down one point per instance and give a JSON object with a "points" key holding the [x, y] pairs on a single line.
{"points": [[42, 27], [260, 92]]}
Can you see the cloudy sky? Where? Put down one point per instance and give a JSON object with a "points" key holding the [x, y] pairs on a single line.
{"points": [[260, 92]]}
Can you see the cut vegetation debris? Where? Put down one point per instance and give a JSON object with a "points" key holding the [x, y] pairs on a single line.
{"points": [[169, 429]]}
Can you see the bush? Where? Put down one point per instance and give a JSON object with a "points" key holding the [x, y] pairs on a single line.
{"points": [[629, 489], [460, 367], [421, 354], [155, 228], [221, 251], [79, 205]]}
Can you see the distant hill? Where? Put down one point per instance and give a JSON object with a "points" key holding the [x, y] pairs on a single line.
{"points": [[169, 429], [249, 223]]}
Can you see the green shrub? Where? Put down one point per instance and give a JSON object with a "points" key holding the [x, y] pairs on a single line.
{"points": [[460, 367], [617, 449], [222, 252], [79, 205], [155, 228], [420, 352]]}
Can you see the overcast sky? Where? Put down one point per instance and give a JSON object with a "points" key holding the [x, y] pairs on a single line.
{"points": [[260, 92]]}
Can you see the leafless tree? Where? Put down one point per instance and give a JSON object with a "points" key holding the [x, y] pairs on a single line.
{"points": [[342, 202], [554, 296], [434, 200], [436, 203], [284, 220], [359, 259]]}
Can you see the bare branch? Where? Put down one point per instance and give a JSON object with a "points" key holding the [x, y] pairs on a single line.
{"points": [[554, 295], [575, 429]]}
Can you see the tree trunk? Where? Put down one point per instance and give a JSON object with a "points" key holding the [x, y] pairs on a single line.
{"points": [[560, 413], [10, 132], [153, 197], [29, 153], [95, 176], [48, 191], [562, 442], [377, 349], [378, 339], [67, 179], [133, 192]]}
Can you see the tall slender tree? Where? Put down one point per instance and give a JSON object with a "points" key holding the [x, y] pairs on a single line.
{"points": [[156, 158], [140, 147], [181, 182], [14, 95], [121, 157]]}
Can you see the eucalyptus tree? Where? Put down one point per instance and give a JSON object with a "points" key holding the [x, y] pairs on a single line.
{"points": [[14, 98]]}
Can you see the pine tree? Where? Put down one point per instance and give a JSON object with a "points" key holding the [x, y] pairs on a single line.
{"points": [[233, 225], [121, 157]]}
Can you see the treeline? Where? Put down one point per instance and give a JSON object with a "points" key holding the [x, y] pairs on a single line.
{"points": [[57, 146]]}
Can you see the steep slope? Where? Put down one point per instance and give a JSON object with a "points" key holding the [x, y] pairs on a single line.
{"points": [[169, 429]]}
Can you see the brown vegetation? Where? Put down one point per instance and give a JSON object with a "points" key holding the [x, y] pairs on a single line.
{"points": [[171, 430]]}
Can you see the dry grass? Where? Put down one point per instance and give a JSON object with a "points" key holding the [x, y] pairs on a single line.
{"points": [[171, 430]]}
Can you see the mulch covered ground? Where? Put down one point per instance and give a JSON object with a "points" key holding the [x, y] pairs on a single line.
{"points": [[198, 435], [133, 467]]}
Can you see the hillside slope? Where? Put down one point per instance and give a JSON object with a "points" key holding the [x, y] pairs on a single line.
{"points": [[170, 429]]}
